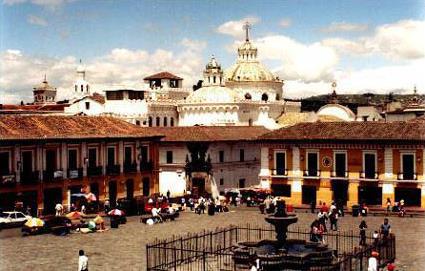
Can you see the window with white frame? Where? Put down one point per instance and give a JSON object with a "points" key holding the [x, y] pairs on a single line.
{"points": [[408, 166], [369, 165], [340, 164], [312, 163], [280, 162]]}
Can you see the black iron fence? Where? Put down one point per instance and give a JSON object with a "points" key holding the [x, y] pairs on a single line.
{"points": [[213, 250]]}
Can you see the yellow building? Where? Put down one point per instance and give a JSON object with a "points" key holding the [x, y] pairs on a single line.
{"points": [[351, 162]]}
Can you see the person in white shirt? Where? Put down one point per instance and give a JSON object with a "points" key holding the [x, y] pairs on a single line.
{"points": [[155, 213], [83, 261], [59, 209], [373, 262]]}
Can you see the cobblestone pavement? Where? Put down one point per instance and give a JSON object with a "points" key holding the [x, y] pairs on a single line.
{"points": [[124, 248]]}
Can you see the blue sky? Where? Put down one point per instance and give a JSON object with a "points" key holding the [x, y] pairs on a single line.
{"points": [[57, 29]]}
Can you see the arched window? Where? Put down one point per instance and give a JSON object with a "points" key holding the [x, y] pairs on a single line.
{"points": [[150, 122], [264, 97], [82, 88], [250, 122], [87, 88], [158, 121], [165, 122], [248, 96], [172, 122], [76, 88], [214, 79]]}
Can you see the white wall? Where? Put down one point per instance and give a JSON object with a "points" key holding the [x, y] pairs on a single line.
{"points": [[172, 181], [96, 108]]}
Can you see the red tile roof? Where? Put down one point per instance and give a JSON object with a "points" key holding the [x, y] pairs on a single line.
{"points": [[25, 127], [34, 107], [163, 75], [96, 97], [344, 131], [209, 133]]}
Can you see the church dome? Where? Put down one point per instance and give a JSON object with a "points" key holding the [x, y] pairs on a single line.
{"points": [[249, 71], [212, 94]]}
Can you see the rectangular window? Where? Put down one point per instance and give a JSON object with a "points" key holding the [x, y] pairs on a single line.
{"points": [[27, 165], [114, 95], [241, 183], [169, 157], [369, 165], [221, 156], [128, 155], [241, 155], [111, 156], [144, 154], [50, 160], [4, 163], [408, 170], [312, 159], [280, 163], [340, 164], [221, 181], [72, 159], [87, 105], [92, 157]]}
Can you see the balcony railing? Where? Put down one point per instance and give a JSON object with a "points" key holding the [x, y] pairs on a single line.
{"points": [[146, 166], [30, 177], [370, 176], [312, 173], [52, 175], [339, 174], [75, 173], [113, 169], [279, 172], [7, 179], [407, 176], [94, 171], [130, 167]]}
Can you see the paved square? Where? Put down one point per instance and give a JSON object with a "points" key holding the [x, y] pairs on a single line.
{"points": [[124, 248]]}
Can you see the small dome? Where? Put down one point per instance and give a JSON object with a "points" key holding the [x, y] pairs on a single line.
{"points": [[212, 94], [44, 86], [213, 63]]}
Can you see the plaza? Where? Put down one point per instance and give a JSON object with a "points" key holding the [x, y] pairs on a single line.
{"points": [[124, 248]]}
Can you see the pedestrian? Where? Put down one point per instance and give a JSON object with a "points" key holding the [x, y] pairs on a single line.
{"points": [[375, 237], [385, 229], [322, 216], [83, 261], [168, 194], [362, 227], [388, 206], [333, 218], [59, 209], [373, 262], [324, 208], [83, 209], [340, 207]]}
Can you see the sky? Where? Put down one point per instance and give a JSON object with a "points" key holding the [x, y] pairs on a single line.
{"points": [[364, 46]]}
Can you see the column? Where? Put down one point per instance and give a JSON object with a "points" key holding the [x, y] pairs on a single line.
{"points": [[264, 175], [102, 157], [296, 192], [388, 163], [83, 157], [388, 192], [423, 196], [121, 156], [296, 172], [137, 152], [17, 158], [39, 165], [64, 159], [353, 193]]}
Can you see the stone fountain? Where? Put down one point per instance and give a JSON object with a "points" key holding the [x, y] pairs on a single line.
{"points": [[283, 254]]}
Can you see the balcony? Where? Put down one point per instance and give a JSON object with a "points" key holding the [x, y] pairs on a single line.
{"points": [[130, 167], [339, 174], [146, 166], [75, 173], [113, 169], [30, 177], [369, 176], [7, 179], [94, 171], [52, 175], [280, 172], [407, 176], [312, 174]]}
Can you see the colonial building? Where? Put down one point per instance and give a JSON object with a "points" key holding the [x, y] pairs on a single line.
{"points": [[44, 160], [196, 158], [351, 162]]}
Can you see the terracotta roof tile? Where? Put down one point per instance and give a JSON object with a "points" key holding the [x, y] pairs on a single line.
{"points": [[20, 127], [209, 133], [350, 131], [163, 75]]}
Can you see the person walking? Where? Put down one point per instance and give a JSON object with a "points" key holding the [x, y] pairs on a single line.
{"points": [[362, 227], [83, 261], [333, 218], [389, 207], [322, 217], [385, 230], [168, 194]]}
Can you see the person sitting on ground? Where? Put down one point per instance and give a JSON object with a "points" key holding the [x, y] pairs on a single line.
{"points": [[156, 213]]}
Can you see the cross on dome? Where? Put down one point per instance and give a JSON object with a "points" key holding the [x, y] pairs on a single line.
{"points": [[246, 27]]}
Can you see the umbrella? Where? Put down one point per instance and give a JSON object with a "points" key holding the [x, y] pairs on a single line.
{"points": [[116, 212], [90, 197], [34, 222], [98, 220], [91, 225], [74, 215]]}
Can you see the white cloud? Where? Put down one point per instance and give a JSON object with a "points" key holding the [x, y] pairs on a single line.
{"points": [[308, 63], [50, 4], [344, 27], [120, 67], [285, 23], [234, 28], [401, 40], [32, 19]]}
